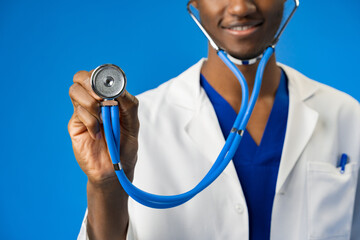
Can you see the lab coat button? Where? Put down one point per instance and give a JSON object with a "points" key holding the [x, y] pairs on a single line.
{"points": [[239, 208]]}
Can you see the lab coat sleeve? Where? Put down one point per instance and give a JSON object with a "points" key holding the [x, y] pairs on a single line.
{"points": [[83, 231], [355, 230]]}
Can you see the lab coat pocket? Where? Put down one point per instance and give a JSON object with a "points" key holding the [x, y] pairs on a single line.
{"points": [[331, 197]]}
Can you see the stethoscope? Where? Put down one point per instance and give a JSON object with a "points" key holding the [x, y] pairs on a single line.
{"points": [[109, 81]]}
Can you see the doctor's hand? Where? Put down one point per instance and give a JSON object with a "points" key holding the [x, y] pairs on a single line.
{"points": [[107, 216], [87, 136]]}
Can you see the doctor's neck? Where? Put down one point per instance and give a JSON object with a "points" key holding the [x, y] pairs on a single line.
{"points": [[226, 84]]}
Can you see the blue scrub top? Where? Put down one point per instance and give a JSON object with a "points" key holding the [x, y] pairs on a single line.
{"points": [[256, 166]]}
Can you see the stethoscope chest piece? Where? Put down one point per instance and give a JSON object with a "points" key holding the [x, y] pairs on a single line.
{"points": [[108, 81]]}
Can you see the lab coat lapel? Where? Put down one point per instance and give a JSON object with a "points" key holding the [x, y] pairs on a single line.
{"points": [[204, 130], [300, 125], [202, 125]]}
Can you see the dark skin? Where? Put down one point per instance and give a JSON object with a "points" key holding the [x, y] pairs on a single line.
{"points": [[262, 19], [107, 202], [215, 71]]}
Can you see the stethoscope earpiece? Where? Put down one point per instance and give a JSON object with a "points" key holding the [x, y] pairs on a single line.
{"points": [[108, 81]]}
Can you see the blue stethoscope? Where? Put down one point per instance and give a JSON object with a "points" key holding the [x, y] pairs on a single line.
{"points": [[109, 81]]}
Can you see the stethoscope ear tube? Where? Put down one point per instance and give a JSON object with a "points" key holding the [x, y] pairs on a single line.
{"points": [[110, 115]]}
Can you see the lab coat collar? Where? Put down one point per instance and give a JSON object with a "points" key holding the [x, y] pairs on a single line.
{"points": [[189, 80], [299, 84], [189, 83], [203, 127]]}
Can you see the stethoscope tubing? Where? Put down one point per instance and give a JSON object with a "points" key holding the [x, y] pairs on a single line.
{"points": [[111, 123]]}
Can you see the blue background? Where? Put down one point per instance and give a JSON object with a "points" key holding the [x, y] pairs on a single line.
{"points": [[44, 43]]}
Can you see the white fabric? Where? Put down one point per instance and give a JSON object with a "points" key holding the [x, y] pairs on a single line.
{"points": [[180, 139]]}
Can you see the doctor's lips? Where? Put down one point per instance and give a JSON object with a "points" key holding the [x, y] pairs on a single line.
{"points": [[242, 29]]}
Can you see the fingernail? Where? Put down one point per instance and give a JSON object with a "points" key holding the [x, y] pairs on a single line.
{"points": [[98, 136]]}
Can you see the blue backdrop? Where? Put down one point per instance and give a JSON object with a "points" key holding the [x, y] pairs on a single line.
{"points": [[44, 43]]}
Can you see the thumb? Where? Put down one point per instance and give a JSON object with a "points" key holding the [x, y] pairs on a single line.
{"points": [[128, 111]]}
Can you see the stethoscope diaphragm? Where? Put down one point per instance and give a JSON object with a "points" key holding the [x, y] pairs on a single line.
{"points": [[108, 81]]}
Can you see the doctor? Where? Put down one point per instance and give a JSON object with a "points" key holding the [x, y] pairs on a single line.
{"points": [[283, 183]]}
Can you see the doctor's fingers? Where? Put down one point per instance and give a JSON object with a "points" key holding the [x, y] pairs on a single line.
{"points": [[79, 96], [89, 121], [128, 108], [83, 78]]}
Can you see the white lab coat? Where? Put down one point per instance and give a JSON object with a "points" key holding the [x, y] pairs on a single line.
{"points": [[180, 139]]}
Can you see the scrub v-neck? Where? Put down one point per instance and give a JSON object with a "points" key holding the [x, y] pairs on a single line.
{"points": [[256, 166]]}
